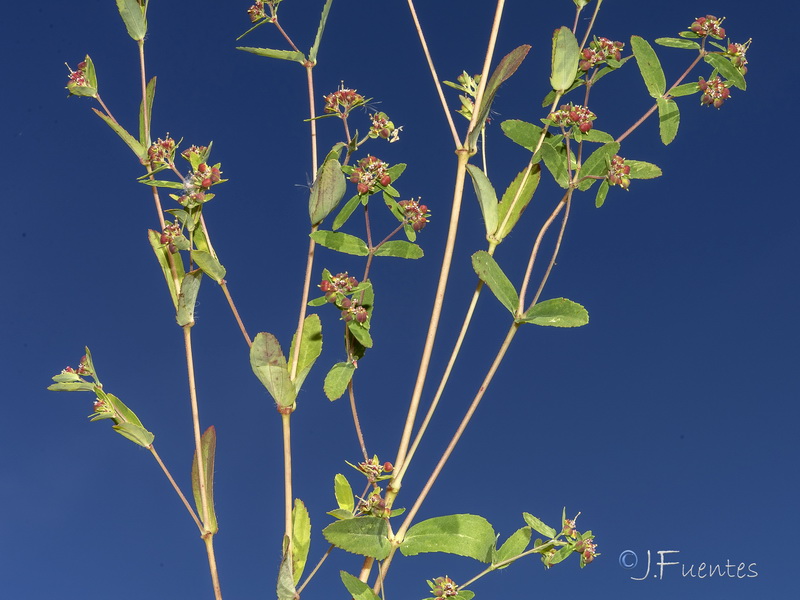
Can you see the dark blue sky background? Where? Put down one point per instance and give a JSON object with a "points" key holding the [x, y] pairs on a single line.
{"points": [[669, 420]]}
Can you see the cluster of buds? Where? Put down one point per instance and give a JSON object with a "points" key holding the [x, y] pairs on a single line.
{"points": [[162, 152], [193, 150], [342, 101], [78, 77], [588, 550], [738, 55], [197, 183], [337, 284], [382, 127], [570, 115], [102, 408], [353, 311], [83, 368], [619, 173], [370, 173], [374, 470], [168, 236], [443, 587], [714, 92], [256, 12], [708, 25], [599, 51], [416, 214], [374, 505]]}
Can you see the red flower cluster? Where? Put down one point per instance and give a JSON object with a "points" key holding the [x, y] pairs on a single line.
{"points": [[708, 25], [714, 92], [573, 116], [416, 214], [599, 51], [618, 173], [342, 101], [370, 173], [161, 151]]}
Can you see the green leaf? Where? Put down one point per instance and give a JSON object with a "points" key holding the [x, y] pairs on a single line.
{"points": [[301, 538], [208, 449], [649, 66], [341, 242], [163, 255], [209, 264], [727, 70], [669, 117], [310, 348], [343, 493], [132, 143], [281, 54], [327, 191], [187, 298], [337, 379], [367, 536], [564, 59], [134, 433], [597, 164], [150, 94], [515, 200], [595, 135], [684, 90], [642, 170], [340, 514], [490, 273], [525, 134], [677, 43], [285, 587], [357, 588], [269, 365], [507, 67], [556, 163], [539, 526], [175, 185], [602, 192], [360, 332], [465, 535], [75, 386], [513, 546], [558, 312], [312, 54], [346, 211], [134, 16], [561, 554], [399, 249], [487, 197]]}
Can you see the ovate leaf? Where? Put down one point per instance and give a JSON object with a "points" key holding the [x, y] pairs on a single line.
{"points": [[525, 134], [492, 275], [301, 538], [209, 264], [134, 16], [487, 197], [341, 242], [310, 348], [515, 200], [597, 164], [564, 59], [367, 536], [357, 588], [281, 54], [327, 191], [642, 170], [558, 312], [132, 143], [269, 365], [513, 546], [208, 448], [187, 298], [677, 43], [649, 66], [337, 379], [539, 526], [669, 118], [399, 249], [727, 70], [343, 493], [465, 535]]}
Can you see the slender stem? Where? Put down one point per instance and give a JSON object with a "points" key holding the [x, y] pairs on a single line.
{"points": [[591, 23], [303, 304], [436, 311], [284, 34], [508, 561], [145, 111], [287, 475], [535, 249], [434, 74], [356, 421], [105, 108], [556, 250], [175, 487], [487, 63], [201, 472], [366, 567], [316, 568], [312, 115], [224, 285], [212, 565]]}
